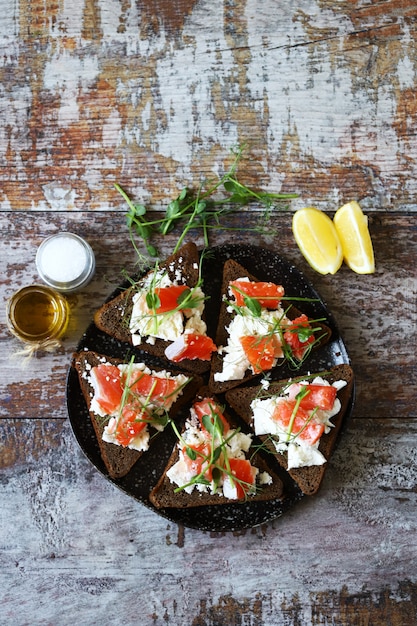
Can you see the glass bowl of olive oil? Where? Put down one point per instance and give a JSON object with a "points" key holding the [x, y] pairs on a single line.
{"points": [[37, 314]]}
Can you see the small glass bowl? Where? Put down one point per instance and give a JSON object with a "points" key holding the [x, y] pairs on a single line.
{"points": [[37, 314], [65, 262]]}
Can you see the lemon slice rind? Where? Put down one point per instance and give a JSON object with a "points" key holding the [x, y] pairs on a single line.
{"points": [[353, 231]]}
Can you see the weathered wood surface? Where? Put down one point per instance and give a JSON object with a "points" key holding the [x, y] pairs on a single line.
{"points": [[152, 95], [78, 550]]}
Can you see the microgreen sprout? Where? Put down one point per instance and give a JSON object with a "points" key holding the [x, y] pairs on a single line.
{"points": [[253, 305], [214, 458], [145, 407], [202, 209], [249, 302], [304, 391]]}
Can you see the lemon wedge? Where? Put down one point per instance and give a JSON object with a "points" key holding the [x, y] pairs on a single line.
{"points": [[318, 240], [352, 227]]}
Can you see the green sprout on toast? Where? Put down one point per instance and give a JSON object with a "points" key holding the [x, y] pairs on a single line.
{"points": [[215, 459]]}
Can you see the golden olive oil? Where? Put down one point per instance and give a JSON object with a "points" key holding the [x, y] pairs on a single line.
{"points": [[37, 313]]}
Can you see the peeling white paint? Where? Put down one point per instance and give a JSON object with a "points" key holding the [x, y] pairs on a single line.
{"points": [[406, 73], [186, 97], [146, 116], [69, 18], [285, 78], [66, 74], [60, 197], [9, 22], [14, 111], [111, 129]]}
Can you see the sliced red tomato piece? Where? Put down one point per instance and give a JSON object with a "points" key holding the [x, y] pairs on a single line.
{"points": [[202, 455], [292, 338], [267, 294], [169, 297], [191, 346], [209, 407], [156, 388], [243, 471], [131, 422], [307, 429], [107, 384], [321, 396], [261, 352]]}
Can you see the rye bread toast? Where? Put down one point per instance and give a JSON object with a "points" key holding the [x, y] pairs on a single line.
{"points": [[113, 317], [308, 478], [233, 271], [119, 460], [163, 495]]}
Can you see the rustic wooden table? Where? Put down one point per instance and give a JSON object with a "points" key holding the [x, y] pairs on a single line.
{"points": [[152, 95]]}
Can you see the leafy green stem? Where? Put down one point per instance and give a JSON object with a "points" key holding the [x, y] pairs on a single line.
{"points": [[300, 395], [201, 209]]}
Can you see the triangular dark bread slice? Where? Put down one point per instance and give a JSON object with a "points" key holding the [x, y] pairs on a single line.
{"points": [[308, 478], [119, 460], [114, 316], [233, 271], [163, 494]]}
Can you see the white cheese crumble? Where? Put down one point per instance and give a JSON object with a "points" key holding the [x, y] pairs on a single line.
{"points": [[167, 326], [182, 473], [235, 361], [300, 452], [141, 441]]}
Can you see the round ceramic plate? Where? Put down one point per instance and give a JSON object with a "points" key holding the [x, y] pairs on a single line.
{"points": [[266, 265]]}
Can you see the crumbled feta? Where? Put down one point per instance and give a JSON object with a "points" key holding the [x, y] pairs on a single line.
{"points": [[141, 441], [264, 478], [235, 361], [168, 326], [300, 453]]}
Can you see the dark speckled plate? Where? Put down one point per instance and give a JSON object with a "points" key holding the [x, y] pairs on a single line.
{"points": [[266, 265]]}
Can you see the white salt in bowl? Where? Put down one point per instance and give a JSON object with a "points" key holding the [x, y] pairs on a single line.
{"points": [[65, 262]]}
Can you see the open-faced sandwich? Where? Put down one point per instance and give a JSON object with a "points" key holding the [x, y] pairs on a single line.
{"points": [[163, 313], [129, 404], [258, 329], [213, 463], [298, 420]]}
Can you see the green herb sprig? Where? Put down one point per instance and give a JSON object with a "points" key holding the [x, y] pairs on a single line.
{"points": [[217, 459], [147, 412], [201, 209], [251, 306], [190, 298]]}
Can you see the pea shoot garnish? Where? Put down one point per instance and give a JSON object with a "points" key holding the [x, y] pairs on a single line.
{"points": [[207, 453], [275, 334], [204, 209]]}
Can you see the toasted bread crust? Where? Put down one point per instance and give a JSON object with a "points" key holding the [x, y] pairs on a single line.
{"points": [[118, 460], [233, 271], [114, 316], [163, 494], [308, 478]]}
